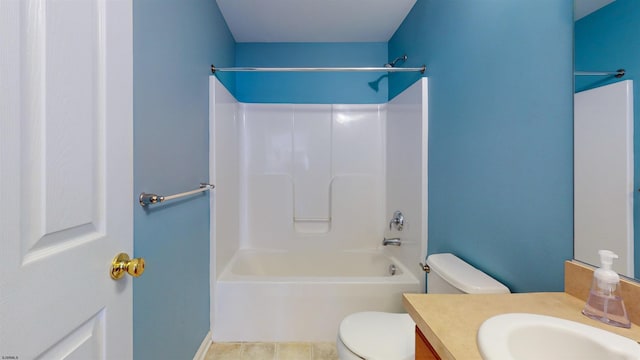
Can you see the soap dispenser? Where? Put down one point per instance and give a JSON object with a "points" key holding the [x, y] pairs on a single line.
{"points": [[605, 301]]}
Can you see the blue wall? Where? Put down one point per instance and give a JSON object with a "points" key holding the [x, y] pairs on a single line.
{"points": [[314, 88], [608, 40], [500, 139], [500, 132], [174, 43]]}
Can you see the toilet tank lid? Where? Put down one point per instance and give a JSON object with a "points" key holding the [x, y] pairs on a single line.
{"points": [[463, 276]]}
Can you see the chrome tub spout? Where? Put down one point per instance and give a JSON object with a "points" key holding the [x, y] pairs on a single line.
{"points": [[392, 241]]}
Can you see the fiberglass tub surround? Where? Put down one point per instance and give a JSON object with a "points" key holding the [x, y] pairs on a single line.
{"points": [[297, 296], [250, 264], [312, 172], [303, 201]]}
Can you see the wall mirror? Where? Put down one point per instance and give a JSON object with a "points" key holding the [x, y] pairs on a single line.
{"points": [[606, 33]]}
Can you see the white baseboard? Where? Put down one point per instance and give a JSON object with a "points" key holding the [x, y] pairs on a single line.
{"points": [[204, 347]]}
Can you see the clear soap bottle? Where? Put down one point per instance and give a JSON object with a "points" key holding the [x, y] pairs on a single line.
{"points": [[605, 301]]}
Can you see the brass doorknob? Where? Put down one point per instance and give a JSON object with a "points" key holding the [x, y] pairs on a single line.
{"points": [[122, 264]]}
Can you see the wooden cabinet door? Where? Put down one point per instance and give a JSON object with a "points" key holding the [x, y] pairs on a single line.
{"points": [[424, 350]]}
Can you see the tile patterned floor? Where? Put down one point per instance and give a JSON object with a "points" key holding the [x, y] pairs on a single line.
{"points": [[272, 351]]}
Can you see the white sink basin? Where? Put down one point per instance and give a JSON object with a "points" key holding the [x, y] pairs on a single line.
{"points": [[534, 337]]}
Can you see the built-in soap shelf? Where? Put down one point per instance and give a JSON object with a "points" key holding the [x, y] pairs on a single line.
{"points": [[347, 198], [311, 226], [309, 216]]}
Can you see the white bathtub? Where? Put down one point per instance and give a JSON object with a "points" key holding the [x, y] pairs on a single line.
{"points": [[295, 296]]}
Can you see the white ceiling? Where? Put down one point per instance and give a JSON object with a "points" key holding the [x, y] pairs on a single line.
{"points": [[330, 20], [314, 20], [582, 8]]}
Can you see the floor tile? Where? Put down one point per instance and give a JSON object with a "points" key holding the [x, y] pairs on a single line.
{"points": [[258, 351], [224, 351], [272, 351], [293, 351], [324, 351]]}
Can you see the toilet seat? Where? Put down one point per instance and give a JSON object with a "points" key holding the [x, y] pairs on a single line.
{"points": [[379, 335]]}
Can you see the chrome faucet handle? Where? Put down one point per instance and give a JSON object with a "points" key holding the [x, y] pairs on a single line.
{"points": [[397, 220]]}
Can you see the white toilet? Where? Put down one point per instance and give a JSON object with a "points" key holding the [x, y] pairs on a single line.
{"points": [[389, 336]]}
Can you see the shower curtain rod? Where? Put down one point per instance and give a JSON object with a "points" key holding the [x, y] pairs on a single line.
{"points": [[618, 73], [319, 69]]}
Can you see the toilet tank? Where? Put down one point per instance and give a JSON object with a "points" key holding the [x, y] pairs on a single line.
{"points": [[451, 275]]}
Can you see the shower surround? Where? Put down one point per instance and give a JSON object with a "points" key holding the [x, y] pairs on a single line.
{"points": [[304, 194]]}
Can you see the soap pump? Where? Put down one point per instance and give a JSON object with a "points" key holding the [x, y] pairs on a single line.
{"points": [[605, 301]]}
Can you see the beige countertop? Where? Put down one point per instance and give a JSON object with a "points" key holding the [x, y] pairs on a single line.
{"points": [[450, 321]]}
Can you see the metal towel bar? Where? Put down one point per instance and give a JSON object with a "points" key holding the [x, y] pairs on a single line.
{"points": [[147, 199]]}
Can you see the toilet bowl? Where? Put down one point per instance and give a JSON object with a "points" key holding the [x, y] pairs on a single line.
{"points": [[363, 329], [387, 336]]}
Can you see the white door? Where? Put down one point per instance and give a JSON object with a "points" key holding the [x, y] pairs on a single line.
{"points": [[65, 178]]}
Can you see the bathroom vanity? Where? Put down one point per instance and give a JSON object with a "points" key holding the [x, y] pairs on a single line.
{"points": [[447, 324], [424, 349]]}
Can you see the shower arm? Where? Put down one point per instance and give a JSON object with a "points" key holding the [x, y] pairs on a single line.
{"points": [[391, 64]]}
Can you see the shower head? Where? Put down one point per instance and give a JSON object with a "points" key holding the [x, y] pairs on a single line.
{"points": [[393, 63]]}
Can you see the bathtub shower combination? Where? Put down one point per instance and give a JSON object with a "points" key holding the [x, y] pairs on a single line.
{"points": [[303, 201]]}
